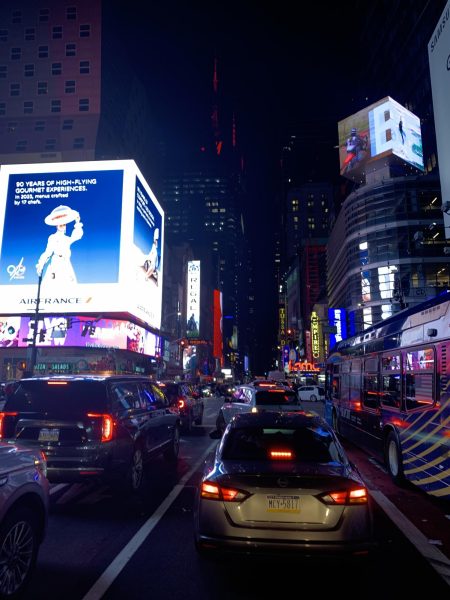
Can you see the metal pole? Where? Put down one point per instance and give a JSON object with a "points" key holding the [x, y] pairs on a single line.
{"points": [[36, 319]]}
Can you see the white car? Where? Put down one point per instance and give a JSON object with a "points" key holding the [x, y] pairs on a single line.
{"points": [[256, 398], [312, 393]]}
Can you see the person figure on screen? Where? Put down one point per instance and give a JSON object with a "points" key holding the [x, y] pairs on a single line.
{"points": [[400, 128], [151, 262], [355, 144], [59, 269], [192, 323]]}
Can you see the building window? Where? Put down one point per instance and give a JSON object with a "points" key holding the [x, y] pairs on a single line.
{"points": [[70, 87], [3, 35], [71, 49], [56, 68], [12, 126], [67, 124], [14, 89], [30, 34], [57, 32], [55, 106], [28, 108], [85, 31], [3, 71], [83, 105], [39, 126], [43, 51], [21, 146], [50, 144], [78, 143], [17, 16], [85, 67], [2, 108], [42, 88], [44, 14], [16, 53], [71, 13], [28, 70]]}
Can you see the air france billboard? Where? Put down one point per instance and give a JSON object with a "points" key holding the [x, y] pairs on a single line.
{"points": [[92, 232], [383, 129], [439, 59]]}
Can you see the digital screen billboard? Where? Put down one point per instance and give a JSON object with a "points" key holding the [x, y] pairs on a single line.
{"points": [[439, 60], [81, 331], [93, 232], [381, 130]]}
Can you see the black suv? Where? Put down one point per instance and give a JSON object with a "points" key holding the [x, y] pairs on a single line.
{"points": [[92, 426], [189, 401]]}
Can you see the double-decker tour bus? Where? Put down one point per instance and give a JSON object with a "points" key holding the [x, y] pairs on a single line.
{"points": [[388, 391]]}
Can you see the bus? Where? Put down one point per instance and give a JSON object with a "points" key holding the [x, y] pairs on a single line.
{"points": [[388, 391]]}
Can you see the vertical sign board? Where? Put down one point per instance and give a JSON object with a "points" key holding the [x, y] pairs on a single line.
{"points": [[217, 324], [193, 299], [92, 230], [315, 338], [337, 318], [439, 59]]}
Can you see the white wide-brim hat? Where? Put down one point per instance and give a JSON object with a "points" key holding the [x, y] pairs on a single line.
{"points": [[61, 215]]}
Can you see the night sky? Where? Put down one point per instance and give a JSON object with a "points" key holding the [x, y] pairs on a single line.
{"points": [[277, 67]]}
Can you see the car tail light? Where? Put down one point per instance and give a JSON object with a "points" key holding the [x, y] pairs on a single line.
{"points": [[3, 416], [181, 403], [281, 454], [354, 496], [107, 426], [214, 491]]}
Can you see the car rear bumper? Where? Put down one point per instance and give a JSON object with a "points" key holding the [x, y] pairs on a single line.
{"points": [[273, 546]]}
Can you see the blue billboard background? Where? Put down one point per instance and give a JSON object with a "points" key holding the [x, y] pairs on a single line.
{"points": [[95, 195], [147, 220]]}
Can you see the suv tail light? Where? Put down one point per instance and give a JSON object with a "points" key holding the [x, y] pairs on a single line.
{"points": [[107, 426], [214, 491], [181, 403], [3, 416], [355, 496]]}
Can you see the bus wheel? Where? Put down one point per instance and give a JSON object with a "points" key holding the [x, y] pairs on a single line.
{"points": [[394, 461], [336, 422]]}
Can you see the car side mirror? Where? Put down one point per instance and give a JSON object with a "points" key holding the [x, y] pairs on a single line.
{"points": [[215, 435]]}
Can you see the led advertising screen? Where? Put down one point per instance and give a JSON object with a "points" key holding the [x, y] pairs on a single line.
{"points": [[193, 299], [383, 129], [439, 60], [217, 324], [81, 331], [337, 318], [91, 231]]}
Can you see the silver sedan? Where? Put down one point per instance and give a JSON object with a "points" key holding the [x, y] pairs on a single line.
{"points": [[281, 482]]}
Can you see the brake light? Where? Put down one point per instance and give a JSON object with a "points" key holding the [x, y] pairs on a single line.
{"points": [[280, 454], [3, 415], [213, 491], [181, 403], [355, 496], [56, 382], [107, 426]]}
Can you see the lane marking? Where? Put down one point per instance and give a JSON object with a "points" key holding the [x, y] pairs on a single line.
{"points": [[436, 558], [126, 554]]}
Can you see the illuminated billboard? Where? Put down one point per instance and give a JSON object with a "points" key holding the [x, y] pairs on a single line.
{"points": [[439, 60], [81, 331], [92, 231], [217, 325], [382, 130], [193, 299]]}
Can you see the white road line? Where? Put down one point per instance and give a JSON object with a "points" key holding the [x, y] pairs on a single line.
{"points": [[58, 486], [119, 563], [438, 560]]}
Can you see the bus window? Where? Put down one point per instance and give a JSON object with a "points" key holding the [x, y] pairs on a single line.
{"points": [[419, 378], [390, 380], [370, 390]]}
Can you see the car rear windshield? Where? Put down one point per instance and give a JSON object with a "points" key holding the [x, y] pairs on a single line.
{"points": [[302, 444], [62, 398], [268, 397]]}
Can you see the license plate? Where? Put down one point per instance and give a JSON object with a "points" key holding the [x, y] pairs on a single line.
{"points": [[48, 435], [283, 504]]}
